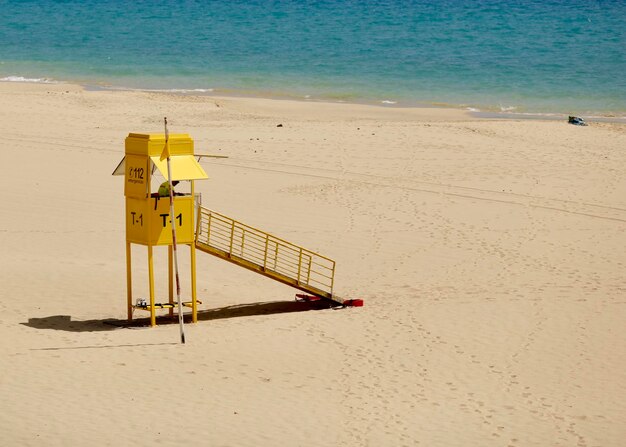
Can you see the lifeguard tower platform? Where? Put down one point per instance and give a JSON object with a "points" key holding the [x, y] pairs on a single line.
{"points": [[148, 223]]}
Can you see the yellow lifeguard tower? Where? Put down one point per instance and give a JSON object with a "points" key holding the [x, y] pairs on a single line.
{"points": [[148, 222], [148, 219]]}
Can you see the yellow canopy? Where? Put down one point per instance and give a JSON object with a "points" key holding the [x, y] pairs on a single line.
{"points": [[184, 167]]}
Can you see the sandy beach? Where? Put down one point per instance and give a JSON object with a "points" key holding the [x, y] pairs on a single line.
{"points": [[489, 253]]}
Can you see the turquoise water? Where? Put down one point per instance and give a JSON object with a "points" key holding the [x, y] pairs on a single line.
{"points": [[519, 56]]}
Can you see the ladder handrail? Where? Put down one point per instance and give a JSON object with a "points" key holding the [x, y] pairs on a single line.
{"points": [[234, 239], [227, 219]]}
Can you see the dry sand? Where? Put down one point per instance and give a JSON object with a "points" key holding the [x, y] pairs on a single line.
{"points": [[490, 255]]}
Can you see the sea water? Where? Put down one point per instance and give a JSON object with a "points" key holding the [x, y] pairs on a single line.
{"points": [[545, 56]]}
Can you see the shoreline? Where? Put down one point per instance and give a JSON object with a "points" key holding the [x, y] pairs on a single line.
{"points": [[382, 103]]}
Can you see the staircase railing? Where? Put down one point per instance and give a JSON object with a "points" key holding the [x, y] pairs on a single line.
{"points": [[236, 241]]}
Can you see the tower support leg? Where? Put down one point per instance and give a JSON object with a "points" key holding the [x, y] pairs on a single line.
{"points": [[129, 283], [170, 276], [151, 280], [194, 303]]}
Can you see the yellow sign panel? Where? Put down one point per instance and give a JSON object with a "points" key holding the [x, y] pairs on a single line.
{"points": [[136, 176], [149, 222]]}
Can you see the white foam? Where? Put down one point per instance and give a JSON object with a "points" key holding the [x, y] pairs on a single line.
{"points": [[507, 108], [186, 90], [389, 102], [166, 90], [472, 109], [23, 79]]}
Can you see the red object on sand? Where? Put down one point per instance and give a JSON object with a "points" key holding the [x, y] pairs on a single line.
{"points": [[353, 303]]}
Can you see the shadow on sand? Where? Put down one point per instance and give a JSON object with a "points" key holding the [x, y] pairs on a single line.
{"points": [[65, 322]]}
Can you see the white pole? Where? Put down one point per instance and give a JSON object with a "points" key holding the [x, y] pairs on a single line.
{"points": [[173, 221]]}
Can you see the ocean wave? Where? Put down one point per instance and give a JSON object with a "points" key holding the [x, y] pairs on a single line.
{"points": [[188, 90], [161, 90], [31, 80], [388, 102]]}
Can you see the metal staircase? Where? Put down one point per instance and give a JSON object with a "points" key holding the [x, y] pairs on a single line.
{"points": [[266, 254]]}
